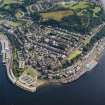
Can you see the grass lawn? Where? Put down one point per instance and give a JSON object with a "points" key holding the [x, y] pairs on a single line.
{"points": [[19, 14], [81, 5], [96, 10], [15, 54], [14, 24], [69, 9], [75, 5], [30, 71], [73, 54], [11, 1], [78, 6], [56, 15]]}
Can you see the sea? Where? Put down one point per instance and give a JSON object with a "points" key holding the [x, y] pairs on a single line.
{"points": [[87, 90]]}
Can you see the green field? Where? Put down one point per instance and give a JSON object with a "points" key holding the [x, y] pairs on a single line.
{"points": [[82, 5], [81, 8], [73, 54], [19, 14], [96, 11], [15, 67], [14, 24], [30, 71], [56, 15], [75, 5], [11, 1]]}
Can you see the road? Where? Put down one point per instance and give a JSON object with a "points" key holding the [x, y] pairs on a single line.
{"points": [[8, 63]]}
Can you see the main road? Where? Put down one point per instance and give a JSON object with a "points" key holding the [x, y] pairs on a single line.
{"points": [[6, 47]]}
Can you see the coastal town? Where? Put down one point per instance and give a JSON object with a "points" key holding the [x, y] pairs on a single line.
{"points": [[40, 47]]}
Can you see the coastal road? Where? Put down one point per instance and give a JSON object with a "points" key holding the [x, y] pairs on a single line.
{"points": [[8, 49]]}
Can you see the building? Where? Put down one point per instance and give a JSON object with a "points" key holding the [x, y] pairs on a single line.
{"points": [[21, 60]]}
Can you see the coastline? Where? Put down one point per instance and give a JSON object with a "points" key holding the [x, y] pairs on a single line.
{"points": [[76, 74], [74, 77], [9, 72], [83, 70], [8, 65]]}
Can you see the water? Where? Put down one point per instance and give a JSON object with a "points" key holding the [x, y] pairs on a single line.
{"points": [[88, 90]]}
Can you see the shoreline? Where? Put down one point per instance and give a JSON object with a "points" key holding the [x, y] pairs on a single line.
{"points": [[76, 75], [84, 70]]}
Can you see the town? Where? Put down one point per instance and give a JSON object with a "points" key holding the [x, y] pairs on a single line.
{"points": [[50, 48]]}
